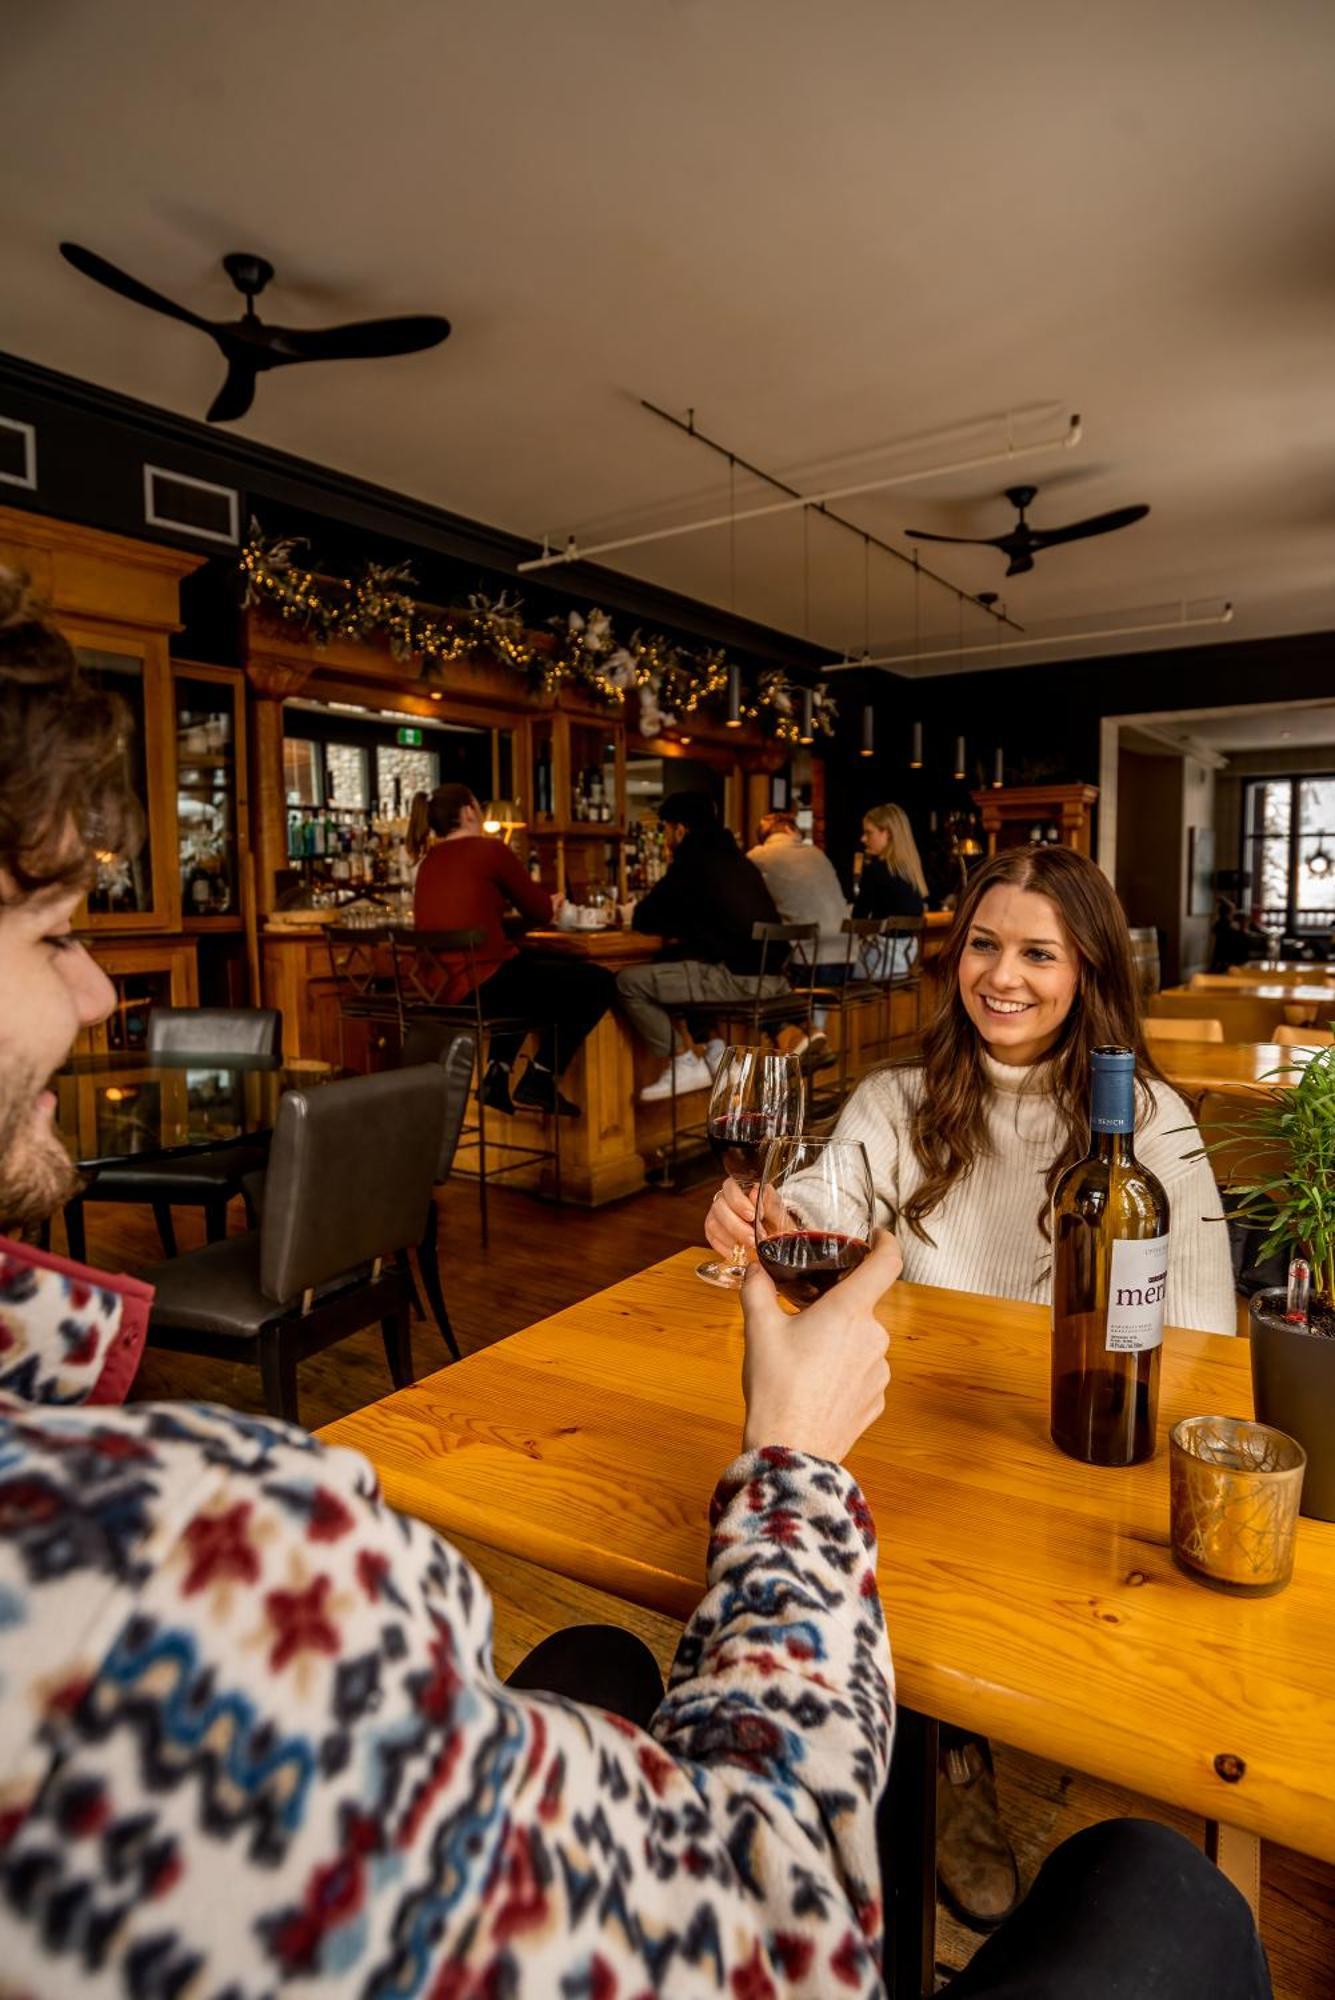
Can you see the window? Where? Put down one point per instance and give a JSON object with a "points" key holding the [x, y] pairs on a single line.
{"points": [[401, 773], [1289, 853]]}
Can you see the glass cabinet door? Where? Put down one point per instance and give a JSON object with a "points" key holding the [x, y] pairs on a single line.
{"points": [[207, 788], [125, 886]]}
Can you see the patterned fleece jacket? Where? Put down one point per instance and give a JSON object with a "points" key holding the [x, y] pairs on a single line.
{"points": [[251, 1738]]}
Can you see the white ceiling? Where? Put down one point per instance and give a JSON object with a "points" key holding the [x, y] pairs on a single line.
{"points": [[1297, 727], [852, 236]]}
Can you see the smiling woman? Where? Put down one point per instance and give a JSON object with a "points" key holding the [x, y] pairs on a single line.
{"points": [[968, 1140]]}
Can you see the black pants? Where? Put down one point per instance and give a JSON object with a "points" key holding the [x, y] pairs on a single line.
{"points": [[563, 998], [1127, 1910]]}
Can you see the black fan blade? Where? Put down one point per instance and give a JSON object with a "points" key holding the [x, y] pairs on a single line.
{"points": [[364, 340], [237, 392], [97, 268], [969, 541], [1097, 524], [1020, 563]]}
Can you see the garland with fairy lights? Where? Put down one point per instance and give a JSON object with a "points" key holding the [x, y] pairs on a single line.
{"points": [[670, 680]]}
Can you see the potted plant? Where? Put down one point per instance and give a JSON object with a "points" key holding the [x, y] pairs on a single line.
{"points": [[1292, 1198]]}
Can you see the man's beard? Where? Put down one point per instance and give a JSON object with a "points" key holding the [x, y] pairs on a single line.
{"points": [[36, 1173]]}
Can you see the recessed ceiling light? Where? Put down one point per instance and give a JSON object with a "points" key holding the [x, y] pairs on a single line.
{"points": [[1286, 734]]}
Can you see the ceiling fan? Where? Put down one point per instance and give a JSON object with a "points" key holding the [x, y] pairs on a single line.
{"points": [[249, 347], [1023, 543]]}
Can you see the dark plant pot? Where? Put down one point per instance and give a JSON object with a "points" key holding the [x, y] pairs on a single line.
{"points": [[1293, 1387]]}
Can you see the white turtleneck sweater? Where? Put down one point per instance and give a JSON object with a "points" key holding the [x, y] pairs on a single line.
{"points": [[985, 1233]]}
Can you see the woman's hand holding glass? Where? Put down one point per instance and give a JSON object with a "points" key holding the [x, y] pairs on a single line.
{"points": [[758, 1095]]}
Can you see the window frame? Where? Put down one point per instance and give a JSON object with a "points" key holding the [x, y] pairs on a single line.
{"points": [[1251, 848]]}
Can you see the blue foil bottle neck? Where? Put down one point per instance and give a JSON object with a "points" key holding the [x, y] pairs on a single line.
{"points": [[1113, 1095]]}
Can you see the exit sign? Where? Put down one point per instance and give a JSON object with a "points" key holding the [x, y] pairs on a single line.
{"points": [[409, 739]]}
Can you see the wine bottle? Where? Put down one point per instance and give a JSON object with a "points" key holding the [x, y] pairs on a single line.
{"points": [[1109, 1282]]}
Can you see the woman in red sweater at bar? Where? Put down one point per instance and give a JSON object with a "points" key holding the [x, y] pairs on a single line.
{"points": [[466, 882]]}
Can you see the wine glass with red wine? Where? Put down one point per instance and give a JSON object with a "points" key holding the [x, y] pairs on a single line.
{"points": [[815, 1211], [758, 1095]]}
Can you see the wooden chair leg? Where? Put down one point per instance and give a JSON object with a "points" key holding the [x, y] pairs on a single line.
{"points": [[429, 1263], [162, 1215], [415, 1306], [215, 1220], [76, 1234], [398, 1347], [278, 1375]]}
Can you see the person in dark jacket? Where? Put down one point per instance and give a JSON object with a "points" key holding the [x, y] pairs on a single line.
{"points": [[705, 906]]}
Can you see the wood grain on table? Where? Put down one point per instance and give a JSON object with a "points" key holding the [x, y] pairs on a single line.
{"points": [[1237, 1069], [1028, 1597]]}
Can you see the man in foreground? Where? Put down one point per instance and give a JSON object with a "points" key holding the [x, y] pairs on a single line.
{"points": [[250, 1736]]}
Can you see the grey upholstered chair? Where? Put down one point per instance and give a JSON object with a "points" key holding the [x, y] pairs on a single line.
{"points": [[192, 1180], [349, 1177], [453, 1050]]}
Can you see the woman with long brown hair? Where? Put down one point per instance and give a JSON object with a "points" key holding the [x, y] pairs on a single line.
{"points": [[966, 1143]]}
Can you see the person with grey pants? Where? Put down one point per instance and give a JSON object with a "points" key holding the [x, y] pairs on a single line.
{"points": [[706, 905]]}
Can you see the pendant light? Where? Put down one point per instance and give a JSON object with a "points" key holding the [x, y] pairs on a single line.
{"points": [[868, 731], [915, 761], [734, 698], [807, 732]]}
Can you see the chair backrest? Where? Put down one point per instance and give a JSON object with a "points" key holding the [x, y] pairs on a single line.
{"points": [[1145, 953], [428, 964], [1218, 982], [356, 961], [215, 1031], [1242, 1016], [455, 1050], [1158, 1028], [350, 1175], [1303, 1038], [795, 946]]}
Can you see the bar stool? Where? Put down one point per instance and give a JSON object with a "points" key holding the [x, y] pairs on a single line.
{"points": [[907, 931], [760, 1015], [363, 988], [427, 965], [862, 986]]}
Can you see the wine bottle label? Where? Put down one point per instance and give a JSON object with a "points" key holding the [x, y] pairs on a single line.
{"points": [[1137, 1289]]}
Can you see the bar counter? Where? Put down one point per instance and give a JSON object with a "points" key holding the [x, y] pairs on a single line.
{"points": [[605, 1151]]}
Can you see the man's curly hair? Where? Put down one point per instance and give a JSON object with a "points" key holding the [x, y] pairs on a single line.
{"points": [[64, 790]]}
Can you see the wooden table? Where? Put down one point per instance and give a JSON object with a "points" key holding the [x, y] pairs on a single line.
{"points": [[1252, 1013], [1237, 1069], [1028, 1597]]}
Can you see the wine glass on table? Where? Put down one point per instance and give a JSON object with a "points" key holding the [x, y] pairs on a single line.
{"points": [[815, 1211], [758, 1096]]}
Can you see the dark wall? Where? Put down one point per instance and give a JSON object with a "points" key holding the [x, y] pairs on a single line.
{"points": [[92, 447]]}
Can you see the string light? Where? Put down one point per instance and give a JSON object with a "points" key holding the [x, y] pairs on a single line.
{"points": [[583, 650]]}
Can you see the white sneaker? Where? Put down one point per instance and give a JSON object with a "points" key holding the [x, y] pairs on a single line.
{"points": [[692, 1073], [715, 1050]]}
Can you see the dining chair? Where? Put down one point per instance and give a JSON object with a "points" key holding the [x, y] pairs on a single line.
{"points": [[350, 1174], [1166, 1028], [453, 1049], [1218, 982], [206, 1180], [1303, 1038]]}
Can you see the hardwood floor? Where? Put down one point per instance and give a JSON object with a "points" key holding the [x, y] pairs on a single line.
{"points": [[540, 1260]]}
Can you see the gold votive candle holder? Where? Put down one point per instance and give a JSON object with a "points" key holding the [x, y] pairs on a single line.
{"points": [[1234, 1491]]}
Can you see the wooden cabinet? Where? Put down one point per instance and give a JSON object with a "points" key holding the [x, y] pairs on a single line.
{"points": [[1059, 814], [118, 601], [212, 804], [147, 973]]}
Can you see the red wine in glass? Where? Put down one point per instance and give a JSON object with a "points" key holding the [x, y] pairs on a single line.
{"points": [[806, 1263], [740, 1140], [758, 1095], [815, 1209]]}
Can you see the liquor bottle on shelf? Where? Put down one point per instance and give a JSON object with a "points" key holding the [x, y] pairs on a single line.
{"points": [[1109, 1282]]}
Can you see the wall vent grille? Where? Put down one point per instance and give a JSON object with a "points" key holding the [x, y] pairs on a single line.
{"points": [[190, 506], [18, 453]]}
